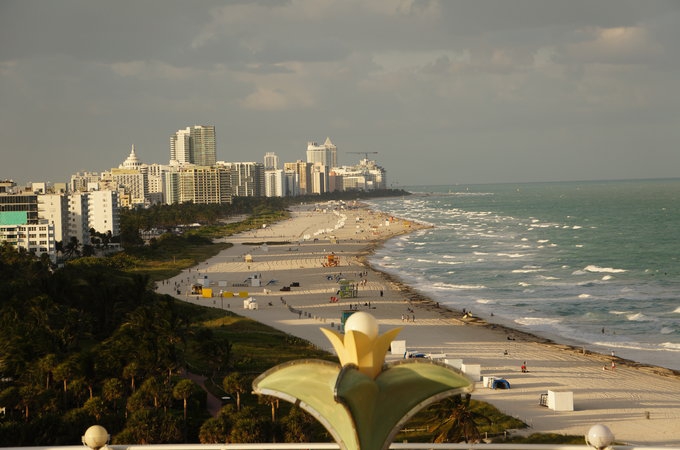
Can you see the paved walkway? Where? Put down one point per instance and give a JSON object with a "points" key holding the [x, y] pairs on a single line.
{"points": [[213, 403]]}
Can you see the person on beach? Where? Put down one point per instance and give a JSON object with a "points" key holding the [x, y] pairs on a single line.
{"points": [[524, 367]]}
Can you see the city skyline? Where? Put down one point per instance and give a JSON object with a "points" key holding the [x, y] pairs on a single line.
{"points": [[444, 92]]}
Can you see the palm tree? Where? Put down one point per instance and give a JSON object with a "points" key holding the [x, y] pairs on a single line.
{"points": [[249, 427], [299, 426], [272, 401], [112, 391], [106, 239], [217, 429], [454, 421], [152, 387], [72, 248], [66, 371], [29, 396], [46, 365], [131, 371], [59, 249], [235, 383], [95, 407], [182, 391], [212, 432]]}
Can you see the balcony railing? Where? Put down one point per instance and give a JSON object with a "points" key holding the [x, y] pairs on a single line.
{"points": [[598, 437], [333, 446]]}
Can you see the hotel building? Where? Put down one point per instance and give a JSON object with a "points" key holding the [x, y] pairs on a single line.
{"points": [[194, 145]]}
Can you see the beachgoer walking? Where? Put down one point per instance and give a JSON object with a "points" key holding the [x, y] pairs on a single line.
{"points": [[613, 365], [524, 367]]}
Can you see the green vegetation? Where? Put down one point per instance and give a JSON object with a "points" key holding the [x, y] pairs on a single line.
{"points": [[92, 343], [458, 419]]}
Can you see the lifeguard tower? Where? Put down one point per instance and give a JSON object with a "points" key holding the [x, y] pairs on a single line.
{"points": [[332, 260], [348, 289]]}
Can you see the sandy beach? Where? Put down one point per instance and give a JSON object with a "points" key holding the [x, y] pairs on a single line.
{"points": [[640, 404]]}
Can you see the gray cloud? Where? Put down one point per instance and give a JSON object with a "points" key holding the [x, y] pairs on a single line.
{"points": [[450, 91]]}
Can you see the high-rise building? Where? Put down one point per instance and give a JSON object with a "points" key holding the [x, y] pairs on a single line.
{"points": [[83, 182], [131, 162], [133, 182], [36, 222], [202, 185], [21, 226], [303, 170], [98, 210], [194, 145], [326, 154], [171, 186], [291, 183], [36, 238], [180, 147], [274, 183], [103, 214], [271, 161], [366, 176], [319, 179], [156, 175], [78, 205], [54, 209], [19, 208], [247, 178]]}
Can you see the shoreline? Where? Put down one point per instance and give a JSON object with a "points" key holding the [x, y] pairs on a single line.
{"points": [[515, 333], [622, 399]]}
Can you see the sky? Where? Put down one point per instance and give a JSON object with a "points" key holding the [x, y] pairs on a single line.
{"points": [[446, 92]]}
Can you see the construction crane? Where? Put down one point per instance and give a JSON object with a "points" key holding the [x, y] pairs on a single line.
{"points": [[365, 153]]}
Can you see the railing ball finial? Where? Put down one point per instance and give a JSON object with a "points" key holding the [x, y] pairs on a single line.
{"points": [[599, 437], [96, 437]]}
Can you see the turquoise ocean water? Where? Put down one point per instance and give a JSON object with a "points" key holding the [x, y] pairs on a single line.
{"points": [[585, 263]]}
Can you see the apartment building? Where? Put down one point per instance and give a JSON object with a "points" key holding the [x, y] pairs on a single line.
{"points": [[194, 145], [201, 185]]}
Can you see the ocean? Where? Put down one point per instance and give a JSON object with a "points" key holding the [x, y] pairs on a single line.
{"points": [[592, 264]]}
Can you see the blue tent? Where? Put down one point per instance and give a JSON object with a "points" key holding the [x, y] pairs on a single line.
{"points": [[500, 384]]}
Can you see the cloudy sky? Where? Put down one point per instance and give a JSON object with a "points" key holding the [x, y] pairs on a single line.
{"points": [[445, 91]]}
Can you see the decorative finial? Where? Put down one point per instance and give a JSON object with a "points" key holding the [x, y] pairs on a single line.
{"points": [[361, 345]]}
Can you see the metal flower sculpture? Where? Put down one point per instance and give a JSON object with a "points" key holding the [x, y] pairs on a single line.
{"points": [[363, 402]]}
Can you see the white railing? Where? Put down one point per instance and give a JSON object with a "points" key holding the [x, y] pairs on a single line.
{"points": [[333, 446], [96, 437]]}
